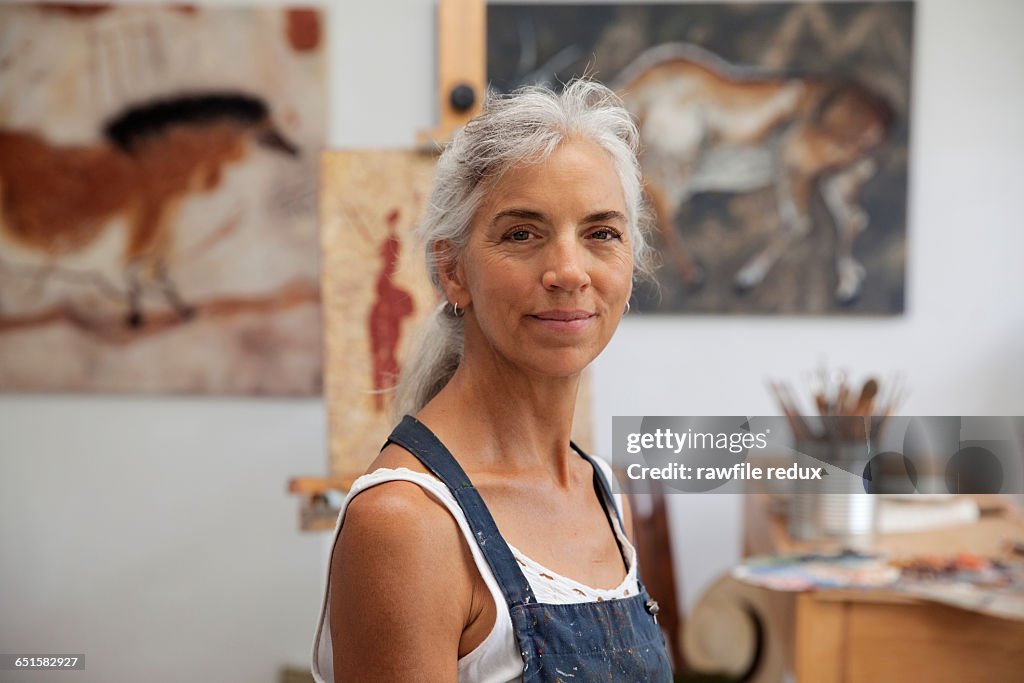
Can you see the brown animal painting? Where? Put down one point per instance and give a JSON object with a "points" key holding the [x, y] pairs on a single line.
{"points": [[59, 201], [708, 125]]}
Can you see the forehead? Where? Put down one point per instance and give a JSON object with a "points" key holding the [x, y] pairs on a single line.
{"points": [[577, 176]]}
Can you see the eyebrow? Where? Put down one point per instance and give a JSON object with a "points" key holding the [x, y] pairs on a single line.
{"points": [[528, 214], [602, 216]]}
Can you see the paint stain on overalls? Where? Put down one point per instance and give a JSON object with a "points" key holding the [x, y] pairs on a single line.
{"points": [[609, 640]]}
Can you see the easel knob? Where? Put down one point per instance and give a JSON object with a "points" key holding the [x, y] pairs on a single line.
{"points": [[462, 97]]}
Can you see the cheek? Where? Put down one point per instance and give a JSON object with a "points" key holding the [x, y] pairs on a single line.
{"points": [[497, 287], [617, 275]]}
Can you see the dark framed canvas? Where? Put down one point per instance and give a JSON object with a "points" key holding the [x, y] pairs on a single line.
{"points": [[774, 141]]}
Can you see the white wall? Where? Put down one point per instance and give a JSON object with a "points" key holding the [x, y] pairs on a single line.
{"points": [[154, 534]]}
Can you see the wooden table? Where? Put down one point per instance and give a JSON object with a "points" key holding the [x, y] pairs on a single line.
{"points": [[878, 637]]}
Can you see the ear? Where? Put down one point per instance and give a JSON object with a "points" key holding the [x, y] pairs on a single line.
{"points": [[451, 273]]}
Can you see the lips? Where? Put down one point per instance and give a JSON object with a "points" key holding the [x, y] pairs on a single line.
{"points": [[564, 322], [563, 316]]}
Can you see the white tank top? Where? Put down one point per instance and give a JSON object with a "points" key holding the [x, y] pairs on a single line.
{"points": [[496, 659]]}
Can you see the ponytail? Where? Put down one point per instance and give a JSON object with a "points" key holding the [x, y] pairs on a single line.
{"points": [[432, 363]]}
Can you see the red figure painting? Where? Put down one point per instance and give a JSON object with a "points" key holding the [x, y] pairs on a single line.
{"points": [[390, 307]]}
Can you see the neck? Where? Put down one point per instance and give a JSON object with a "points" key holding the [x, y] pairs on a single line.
{"points": [[507, 419]]}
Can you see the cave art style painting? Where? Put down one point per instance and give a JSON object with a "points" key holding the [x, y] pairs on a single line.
{"points": [[158, 174], [774, 141], [376, 291]]}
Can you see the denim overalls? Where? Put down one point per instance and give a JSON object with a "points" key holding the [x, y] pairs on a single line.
{"points": [[612, 640]]}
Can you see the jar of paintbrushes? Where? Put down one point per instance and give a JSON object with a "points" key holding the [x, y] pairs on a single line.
{"points": [[839, 436]]}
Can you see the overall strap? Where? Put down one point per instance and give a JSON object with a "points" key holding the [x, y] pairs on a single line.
{"points": [[604, 494], [415, 437]]}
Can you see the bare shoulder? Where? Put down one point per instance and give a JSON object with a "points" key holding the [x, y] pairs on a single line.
{"points": [[391, 616], [393, 509], [397, 521]]}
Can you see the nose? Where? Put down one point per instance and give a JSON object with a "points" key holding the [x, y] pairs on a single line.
{"points": [[566, 266]]}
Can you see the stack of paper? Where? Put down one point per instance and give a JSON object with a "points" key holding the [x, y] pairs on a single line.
{"points": [[905, 514]]}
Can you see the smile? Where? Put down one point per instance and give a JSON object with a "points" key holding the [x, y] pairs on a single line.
{"points": [[564, 321]]}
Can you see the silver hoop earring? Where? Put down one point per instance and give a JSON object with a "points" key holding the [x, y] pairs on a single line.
{"points": [[627, 308], [455, 310]]}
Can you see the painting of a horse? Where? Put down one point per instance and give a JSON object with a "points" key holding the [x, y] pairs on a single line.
{"points": [[775, 141], [707, 125], [57, 201], [158, 182]]}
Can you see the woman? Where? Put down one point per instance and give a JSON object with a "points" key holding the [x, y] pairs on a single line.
{"points": [[454, 561]]}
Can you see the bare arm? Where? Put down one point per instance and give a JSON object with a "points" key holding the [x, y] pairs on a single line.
{"points": [[399, 588]]}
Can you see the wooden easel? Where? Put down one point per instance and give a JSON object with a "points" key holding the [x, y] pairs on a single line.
{"points": [[461, 66]]}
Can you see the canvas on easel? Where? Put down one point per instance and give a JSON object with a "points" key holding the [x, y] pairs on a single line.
{"points": [[375, 291]]}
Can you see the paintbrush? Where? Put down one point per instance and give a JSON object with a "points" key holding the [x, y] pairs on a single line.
{"points": [[866, 401], [822, 403], [841, 395], [796, 424], [805, 429]]}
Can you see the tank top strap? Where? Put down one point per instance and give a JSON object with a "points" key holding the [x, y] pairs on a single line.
{"points": [[416, 437]]}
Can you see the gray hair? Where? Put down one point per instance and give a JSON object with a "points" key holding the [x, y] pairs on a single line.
{"points": [[523, 127]]}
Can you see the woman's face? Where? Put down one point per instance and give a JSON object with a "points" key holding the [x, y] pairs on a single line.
{"points": [[548, 268]]}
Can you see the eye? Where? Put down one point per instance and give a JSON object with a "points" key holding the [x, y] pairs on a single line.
{"points": [[518, 235], [606, 234]]}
